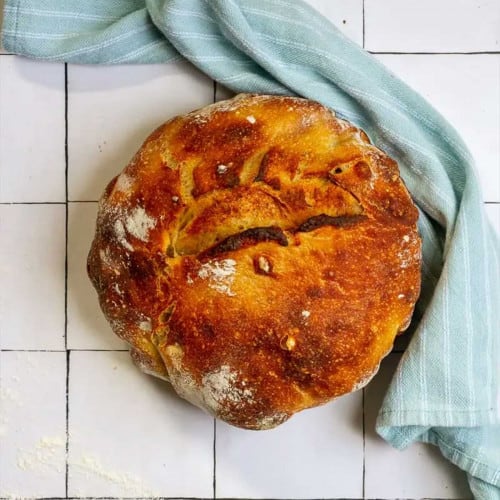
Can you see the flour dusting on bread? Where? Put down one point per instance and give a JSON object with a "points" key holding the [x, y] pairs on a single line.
{"points": [[123, 183], [220, 275], [223, 386], [138, 223], [121, 236]]}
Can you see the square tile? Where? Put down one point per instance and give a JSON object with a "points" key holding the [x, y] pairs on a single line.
{"points": [[347, 15], [430, 26], [130, 435], [87, 327], [493, 213], [448, 82], [32, 424], [32, 253], [32, 130], [111, 111], [420, 471], [316, 454]]}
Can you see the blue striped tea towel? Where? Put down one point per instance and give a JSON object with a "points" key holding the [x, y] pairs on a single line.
{"points": [[445, 390]]}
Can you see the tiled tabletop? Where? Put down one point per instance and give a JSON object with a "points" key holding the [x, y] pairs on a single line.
{"points": [[76, 418]]}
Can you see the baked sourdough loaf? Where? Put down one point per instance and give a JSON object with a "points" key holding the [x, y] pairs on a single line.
{"points": [[260, 254]]}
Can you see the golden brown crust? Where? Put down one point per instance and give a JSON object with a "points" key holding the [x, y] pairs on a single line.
{"points": [[259, 253]]}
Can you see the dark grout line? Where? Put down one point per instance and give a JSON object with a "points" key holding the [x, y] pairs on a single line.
{"points": [[296, 498], [215, 91], [492, 202], [32, 203], [99, 350], [118, 498], [68, 353], [66, 203], [83, 201], [382, 52], [32, 350], [64, 350]]}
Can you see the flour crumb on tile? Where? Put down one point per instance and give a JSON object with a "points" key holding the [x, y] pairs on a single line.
{"points": [[91, 466], [48, 454]]}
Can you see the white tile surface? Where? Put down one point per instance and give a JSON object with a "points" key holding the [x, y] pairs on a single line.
{"points": [[345, 14], [316, 454], [112, 110], [87, 327], [466, 90], [432, 25], [32, 424], [32, 251], [417, 472], [132, 436], [31, 130]]}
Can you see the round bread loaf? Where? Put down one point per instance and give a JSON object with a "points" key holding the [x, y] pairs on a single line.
{"points": [[260, 254]]}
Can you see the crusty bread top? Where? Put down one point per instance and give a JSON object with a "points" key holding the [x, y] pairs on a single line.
{"points": [[260, 254]]}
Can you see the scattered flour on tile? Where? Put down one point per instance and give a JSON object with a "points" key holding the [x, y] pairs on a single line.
{"points": [[220, 275], [138, 223], [91, 466], [48, 454]]}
